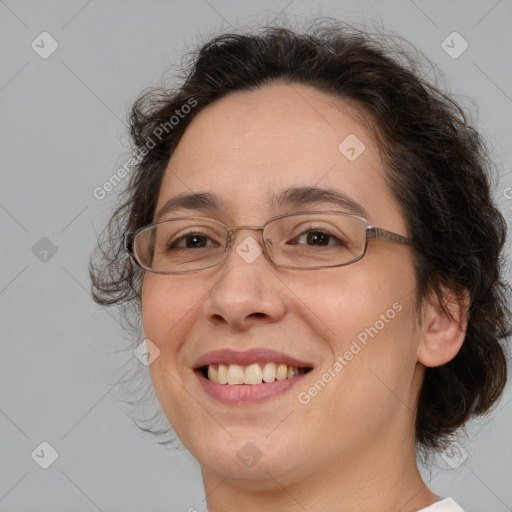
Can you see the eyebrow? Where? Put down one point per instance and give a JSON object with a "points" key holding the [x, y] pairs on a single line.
{"points": [[294, 197]]}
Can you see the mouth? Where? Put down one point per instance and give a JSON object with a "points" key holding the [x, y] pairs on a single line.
{"points": [[251, 376]]}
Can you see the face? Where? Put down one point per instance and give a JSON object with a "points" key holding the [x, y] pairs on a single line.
{"points": [[352, 326]]}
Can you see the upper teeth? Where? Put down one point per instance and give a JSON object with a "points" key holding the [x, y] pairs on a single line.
{"points": [[252, 374]]}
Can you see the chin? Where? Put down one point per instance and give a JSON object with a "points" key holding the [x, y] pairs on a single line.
{"points": [[255, 464]]}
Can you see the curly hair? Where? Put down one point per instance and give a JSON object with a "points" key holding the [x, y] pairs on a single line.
{"points": [[437, 166]]}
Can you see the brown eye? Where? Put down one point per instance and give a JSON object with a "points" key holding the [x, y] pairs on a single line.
{"points": [[317, 238], [190, 241]]}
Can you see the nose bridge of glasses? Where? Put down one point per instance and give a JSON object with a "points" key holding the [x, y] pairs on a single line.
{"points": [[234, 229]]}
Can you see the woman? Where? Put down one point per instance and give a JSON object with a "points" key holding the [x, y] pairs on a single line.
{"points": [[314, 250]]}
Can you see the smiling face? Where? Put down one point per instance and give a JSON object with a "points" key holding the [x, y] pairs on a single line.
{"points": [[352, 326]]}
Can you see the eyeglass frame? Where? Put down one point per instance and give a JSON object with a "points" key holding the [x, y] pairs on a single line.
{"points": [[371, 232]]}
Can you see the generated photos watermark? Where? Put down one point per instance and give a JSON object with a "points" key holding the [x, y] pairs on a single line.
{"points": [[342, 360], [158, 134]]}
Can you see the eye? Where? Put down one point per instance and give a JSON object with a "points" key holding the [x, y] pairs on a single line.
{"points": [[318, 237], [191, 240]]}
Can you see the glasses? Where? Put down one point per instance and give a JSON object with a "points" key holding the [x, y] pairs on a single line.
{"points": [[301, 241]]}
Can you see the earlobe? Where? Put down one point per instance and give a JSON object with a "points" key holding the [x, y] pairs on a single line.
{"points": [[443, 332]]}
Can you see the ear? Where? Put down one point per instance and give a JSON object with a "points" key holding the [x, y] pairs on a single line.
{"points": [[442, 334]]}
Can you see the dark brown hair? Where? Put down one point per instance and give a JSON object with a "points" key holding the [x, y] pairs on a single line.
{"points": [[438, 169]]}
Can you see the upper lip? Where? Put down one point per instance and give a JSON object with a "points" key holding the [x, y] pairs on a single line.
{"points": [[246, 357]]}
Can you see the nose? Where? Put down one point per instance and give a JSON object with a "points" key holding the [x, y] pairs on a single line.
{"points": [[247, 290]]}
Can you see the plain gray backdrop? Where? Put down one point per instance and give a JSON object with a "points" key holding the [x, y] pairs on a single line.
{"points": [[63, 119]]}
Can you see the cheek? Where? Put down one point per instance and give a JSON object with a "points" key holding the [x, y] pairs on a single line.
{"points": [[349, 299], [165, 307], [376, 327], [155, 304], [167, 317], [365, 314]]}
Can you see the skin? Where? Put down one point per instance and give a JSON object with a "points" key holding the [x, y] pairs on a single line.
{"points": [[352, 447]]}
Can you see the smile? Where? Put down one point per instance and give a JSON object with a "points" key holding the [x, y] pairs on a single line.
{"points": [[250, 376], [253, 374]]}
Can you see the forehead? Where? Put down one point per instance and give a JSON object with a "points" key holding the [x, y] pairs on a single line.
{"points": [[249, 144]]}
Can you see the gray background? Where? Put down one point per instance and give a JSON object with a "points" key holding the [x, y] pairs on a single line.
{"points": [[63, 135]]}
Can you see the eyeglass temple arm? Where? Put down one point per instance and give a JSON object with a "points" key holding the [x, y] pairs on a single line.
{"points": [[382, 234]]}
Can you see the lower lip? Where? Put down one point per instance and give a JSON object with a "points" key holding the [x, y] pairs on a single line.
{"points": [[246, 393]]}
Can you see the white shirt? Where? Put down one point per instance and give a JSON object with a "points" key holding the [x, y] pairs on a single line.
{"points": [[447, 505]]}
